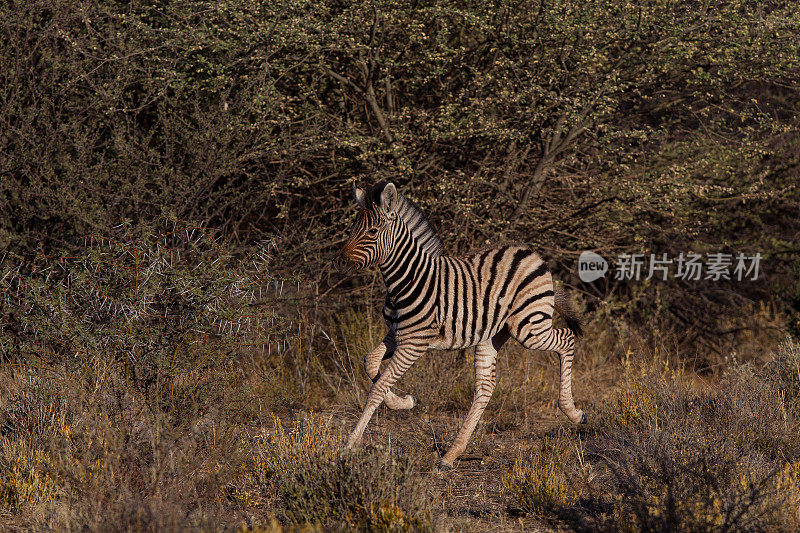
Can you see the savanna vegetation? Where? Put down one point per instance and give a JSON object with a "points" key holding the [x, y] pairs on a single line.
{"points": [[176, 351]]}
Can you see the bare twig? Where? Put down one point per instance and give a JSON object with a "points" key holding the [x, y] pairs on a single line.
{"points": [[367, 64]]}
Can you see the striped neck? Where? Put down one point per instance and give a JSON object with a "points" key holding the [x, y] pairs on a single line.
{"points": [[407, 267], [418, 225]]}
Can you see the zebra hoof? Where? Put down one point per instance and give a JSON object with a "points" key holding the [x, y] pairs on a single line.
{"points": [[352, 443], [583, 419], [409, 401]]}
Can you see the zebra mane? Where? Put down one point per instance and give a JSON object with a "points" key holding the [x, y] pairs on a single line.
{"points": [[415, 219], [418, 223]]}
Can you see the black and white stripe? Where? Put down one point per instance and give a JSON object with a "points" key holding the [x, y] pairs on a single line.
{"points": [[434, 301]]}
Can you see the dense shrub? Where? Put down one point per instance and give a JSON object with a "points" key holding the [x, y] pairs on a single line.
{"points": [[122, 386], [659, 128], [784, 371], [666, 456], [721, 461], [674, 482], [159, 302]]}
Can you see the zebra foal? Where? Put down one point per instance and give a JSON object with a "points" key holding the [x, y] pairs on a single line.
{"points": [[435, 301]]}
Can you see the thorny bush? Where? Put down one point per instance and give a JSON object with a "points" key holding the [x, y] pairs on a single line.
{"points": [[157, 301]]}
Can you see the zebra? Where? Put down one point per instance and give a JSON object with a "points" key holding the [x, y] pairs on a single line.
{"points": [[481, 299]]}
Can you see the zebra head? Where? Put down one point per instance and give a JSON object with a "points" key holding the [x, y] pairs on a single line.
{"points": [[371, 235]]}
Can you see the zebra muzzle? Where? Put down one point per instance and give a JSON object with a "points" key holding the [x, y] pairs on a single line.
{"points": [[344, 265]]}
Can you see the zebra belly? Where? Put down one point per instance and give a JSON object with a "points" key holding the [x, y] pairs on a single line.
{"points": [[454, 334], [443, 343]]}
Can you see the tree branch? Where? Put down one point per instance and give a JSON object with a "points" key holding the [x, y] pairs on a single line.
{"points": [[367, 65], [537, 179], [550, 150], [342, 79]]}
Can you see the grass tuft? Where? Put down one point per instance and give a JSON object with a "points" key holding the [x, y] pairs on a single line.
{"points": [[539, 484], [303, 466]]}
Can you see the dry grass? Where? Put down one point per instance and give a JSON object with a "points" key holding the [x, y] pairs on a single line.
{"points": [[315, 482], [538, 482], [252, 441]]}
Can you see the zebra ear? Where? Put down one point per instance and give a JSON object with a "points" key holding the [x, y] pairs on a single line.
{"points": [[389, 198], [360, 194]]}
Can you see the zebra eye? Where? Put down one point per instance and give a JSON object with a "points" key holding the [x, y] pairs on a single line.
{"points": [[372, 232]]}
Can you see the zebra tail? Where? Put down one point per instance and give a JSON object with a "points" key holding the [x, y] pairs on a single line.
{"points": [[565, 309]]}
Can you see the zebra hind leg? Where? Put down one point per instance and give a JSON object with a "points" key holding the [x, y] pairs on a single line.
{"points": [[561, 341]]}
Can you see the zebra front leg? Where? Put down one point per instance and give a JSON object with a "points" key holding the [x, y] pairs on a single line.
{"points": [[485, 361], [402, 359], [372, 364]]}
